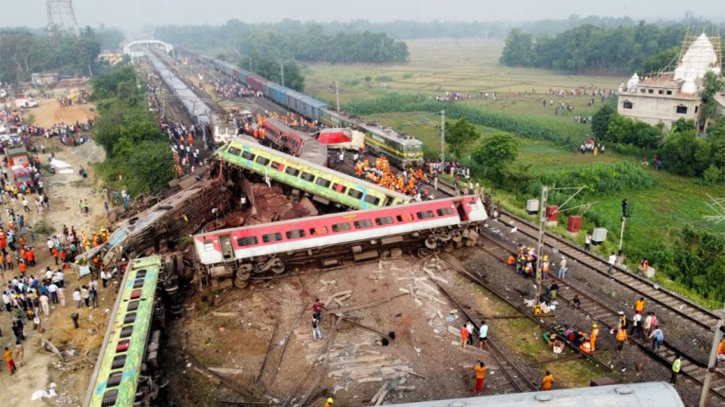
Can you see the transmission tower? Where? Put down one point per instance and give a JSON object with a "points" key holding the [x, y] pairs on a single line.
{"points": [[61, 17]]}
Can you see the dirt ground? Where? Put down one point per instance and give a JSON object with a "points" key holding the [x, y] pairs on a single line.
{"points": [[49, 113], [41, 367]]}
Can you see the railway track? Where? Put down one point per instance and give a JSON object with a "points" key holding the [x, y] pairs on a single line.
{"points": [[693, 368], [518, 379], [668, 300]]}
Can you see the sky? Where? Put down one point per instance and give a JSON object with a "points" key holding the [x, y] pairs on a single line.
{"points": [[134, 14]]}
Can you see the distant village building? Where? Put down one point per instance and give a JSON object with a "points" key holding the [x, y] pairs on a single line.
{"points": [[666, 97], [45, 78]]}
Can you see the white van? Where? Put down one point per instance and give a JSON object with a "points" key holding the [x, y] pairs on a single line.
{"points": [[25, 102]]}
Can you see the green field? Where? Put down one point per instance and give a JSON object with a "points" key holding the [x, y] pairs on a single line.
{"points": [[471, 65]]}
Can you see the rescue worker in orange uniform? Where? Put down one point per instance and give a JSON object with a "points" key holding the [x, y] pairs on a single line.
{"points": [[621, 338], [547, 381], [593, 337]]}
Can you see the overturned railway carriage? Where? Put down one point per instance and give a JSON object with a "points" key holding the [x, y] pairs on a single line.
{"points": [[295, 142], [424, 228], [402, 150], [124, 374], [326, 185]]}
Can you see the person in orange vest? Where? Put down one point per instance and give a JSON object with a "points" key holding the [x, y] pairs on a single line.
{"points": [[721, 351], [55, 255], [30, 257], [330, 401], [593, 337], [511, 260], [480, 369], [62, 257], [547, 381], [464, 336], [22, 267], [22, 253], [639, 305], [190, 139], [621, 338], [545, 267], [21, 241]]}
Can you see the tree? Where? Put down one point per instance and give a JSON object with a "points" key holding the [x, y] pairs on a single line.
{"points": [[685, 154], [601, 119], [153, 167], [712, 85], [495, 154], [517, 50], [460, 135]]}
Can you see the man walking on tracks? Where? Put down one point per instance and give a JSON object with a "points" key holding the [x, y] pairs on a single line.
{"points": [[464, 336], [676, 365], [612, 261], [621, 338], [482, 335], [316, 334], [480, 369]]}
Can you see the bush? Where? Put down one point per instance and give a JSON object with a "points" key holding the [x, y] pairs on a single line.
{"points": [[596, 178]]}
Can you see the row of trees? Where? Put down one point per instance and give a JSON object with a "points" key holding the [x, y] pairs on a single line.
{"points": [[138, 155], [24, 51], [644, 47], [312, 44]]}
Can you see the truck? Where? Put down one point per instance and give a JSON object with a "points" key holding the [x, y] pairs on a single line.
{"points": [[26, 102], [22, 176]]}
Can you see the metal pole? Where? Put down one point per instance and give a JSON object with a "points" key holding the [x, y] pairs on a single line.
{"points": [[443, 141], [281, 68], [251, 68], [337, 95], [621, 236], [717, 336], [540, 241]]}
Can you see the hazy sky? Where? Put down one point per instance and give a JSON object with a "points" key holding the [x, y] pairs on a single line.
{"points": [[137, 13]]}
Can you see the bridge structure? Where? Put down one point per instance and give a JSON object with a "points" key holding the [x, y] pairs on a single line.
{"points": [[135, 48]]}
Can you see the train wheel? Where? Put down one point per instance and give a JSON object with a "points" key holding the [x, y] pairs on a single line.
{"points": [[278, 267], [424, 252], [242, 284], [450, 247], [457, 236], [430, 242], [444, 236]]}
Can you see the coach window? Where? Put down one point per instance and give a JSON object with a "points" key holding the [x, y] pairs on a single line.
{"points": [[339, 188], [340, 227], [444, 211], [323, 182], [248, 156], [208, 245], [387, 220], [262, 160], [234, 150], [425, 214], [277, 166], [362, 224], [372, 199], [295, 234], [292, 171], [247, 241], [322, 231], [354, 193], [271, 237], [307, 177]]}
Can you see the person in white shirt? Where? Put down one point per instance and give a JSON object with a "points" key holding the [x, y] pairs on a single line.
{"points": [[612, 261], [562, 268], [53, 290], [77, 297]]}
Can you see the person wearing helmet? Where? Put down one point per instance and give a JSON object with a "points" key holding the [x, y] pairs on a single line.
{"points": [[330, 401], [593, 337], [545, 268]]}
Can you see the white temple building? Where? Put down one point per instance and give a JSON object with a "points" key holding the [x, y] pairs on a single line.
{"points": [[665, 97]]}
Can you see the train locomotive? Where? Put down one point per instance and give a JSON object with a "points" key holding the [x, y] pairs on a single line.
{"points": [[424, 228], [400, 149]]}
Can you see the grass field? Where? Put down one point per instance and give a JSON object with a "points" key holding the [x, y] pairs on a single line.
{"points": [[471, 65]]}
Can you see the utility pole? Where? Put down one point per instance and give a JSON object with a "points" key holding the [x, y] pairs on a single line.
{"points": [[540, 241], [625, 215], [443, 141], [337, 95], [281, 68], [251, 68], [712, 363]]}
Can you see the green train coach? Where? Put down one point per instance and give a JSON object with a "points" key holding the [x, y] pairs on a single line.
{"points": [[402, 150], [319, 181], [116, 376]]}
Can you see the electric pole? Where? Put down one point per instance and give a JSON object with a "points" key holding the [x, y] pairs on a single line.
{"points": [[540, 241], [625, 215], [281, 68], [337, 95], [443, 141], [712, 363]]}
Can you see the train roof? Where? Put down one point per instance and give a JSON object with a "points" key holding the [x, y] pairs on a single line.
{"points": [[245, 140], [188, 98], [654, 394], [385, 132]]}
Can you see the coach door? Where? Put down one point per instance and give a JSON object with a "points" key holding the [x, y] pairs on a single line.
{"points": [[227, 249], [460, 206]]}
